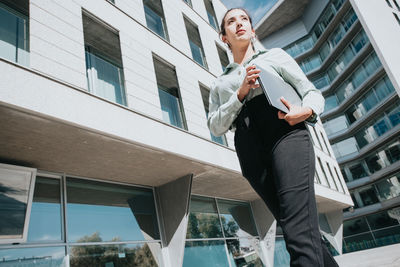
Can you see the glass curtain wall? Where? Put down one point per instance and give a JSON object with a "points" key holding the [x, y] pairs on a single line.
{"points": [[105, 225]]}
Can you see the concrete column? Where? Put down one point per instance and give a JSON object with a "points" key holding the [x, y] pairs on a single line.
{"points": [[266, 228], [173, 208], [335, 220]]}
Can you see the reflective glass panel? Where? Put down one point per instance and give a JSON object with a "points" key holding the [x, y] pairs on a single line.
{"points": [[387, 236], [330, 103], [244, 252], [355, 226], [368, 196], [281, 255], [381, 220], [108, 212], [170, 106], [119, 255], [15, 188], [105, 79], [236, 218], [30, 257], [203, 219], [358, 242], [153, 20], [45, 222], [389, 188], [357, 171], [205, 253], [13, 37]]}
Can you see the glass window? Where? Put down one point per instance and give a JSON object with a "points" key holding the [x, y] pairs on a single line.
{"points": [[330, 103], [16, 192], [236, 219], [358, 242], [388, 188], [337, 35], [211, 14], [244, 252], [359, 41], [357, 171], [345, 147], [45, 222], [375, 162], [14, 33], [205, 253], [203, 219], [103, 60], [354, 201], [370, 64], [155, 19], [393, 152], [205, 94], [369, 101], [336, 125], [387, 236], [321, 81], [349, 19], [169, 93], [99, 211], [381, 220], [359, 76], [195, 43], [345, 90], [382, 90], [355, 226], [281, 255], [223, 57], [104, 78], [394, 115], [116, 255], [41, 256], [324, 51], [368, 195]]}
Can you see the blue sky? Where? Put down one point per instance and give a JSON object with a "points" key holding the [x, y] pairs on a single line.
{"points": [[256, 8]]}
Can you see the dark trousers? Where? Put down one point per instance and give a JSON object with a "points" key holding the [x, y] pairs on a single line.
{"points": [[278, 161]]}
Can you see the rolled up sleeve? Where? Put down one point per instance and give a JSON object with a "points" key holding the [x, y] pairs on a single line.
{"points": [[221, 117], [291, 72]]}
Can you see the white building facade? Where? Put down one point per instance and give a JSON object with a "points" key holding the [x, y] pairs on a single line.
{"points": [[106, 158]]}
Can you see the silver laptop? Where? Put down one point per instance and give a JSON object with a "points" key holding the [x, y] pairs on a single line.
{"points": [[275, 87]]}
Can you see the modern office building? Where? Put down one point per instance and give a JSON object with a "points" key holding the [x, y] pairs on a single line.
{"points": [[349, 50], [106, 158]]}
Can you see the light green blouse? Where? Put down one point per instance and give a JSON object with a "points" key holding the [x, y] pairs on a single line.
{"points": [[224, 106]]}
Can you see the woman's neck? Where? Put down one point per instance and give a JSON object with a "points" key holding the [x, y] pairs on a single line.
{"points": [[242, 54]]}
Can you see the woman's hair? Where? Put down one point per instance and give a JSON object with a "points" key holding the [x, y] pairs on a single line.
{"points": [[222, 27]]}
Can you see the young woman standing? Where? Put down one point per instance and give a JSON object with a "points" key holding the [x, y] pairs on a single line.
{"points": [[274, 148]]}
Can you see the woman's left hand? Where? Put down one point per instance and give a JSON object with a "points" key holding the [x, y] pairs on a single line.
{"points": [[296, 114]]}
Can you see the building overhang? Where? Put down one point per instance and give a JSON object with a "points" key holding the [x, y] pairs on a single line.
{"points": [[281, 14], [51, 126]]}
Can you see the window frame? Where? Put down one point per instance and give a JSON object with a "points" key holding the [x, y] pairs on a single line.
{"points": [[30, 173]]}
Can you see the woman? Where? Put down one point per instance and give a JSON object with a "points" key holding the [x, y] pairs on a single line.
{"points": [[274, 149]]}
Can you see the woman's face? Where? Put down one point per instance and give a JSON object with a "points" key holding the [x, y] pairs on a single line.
{"points": [[237, 28]]}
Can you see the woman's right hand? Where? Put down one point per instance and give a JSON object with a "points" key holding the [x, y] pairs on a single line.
{"points": [[249, 82]]}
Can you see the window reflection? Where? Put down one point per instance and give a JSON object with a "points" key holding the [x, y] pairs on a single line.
{"points": [[45, 221], [244, 252], [205, 253], [116, 255], [108, 212], [43, 256], [203, 219], [236, 219]]}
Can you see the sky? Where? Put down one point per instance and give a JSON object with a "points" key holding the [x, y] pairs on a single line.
{"points": [[256, 8]]}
